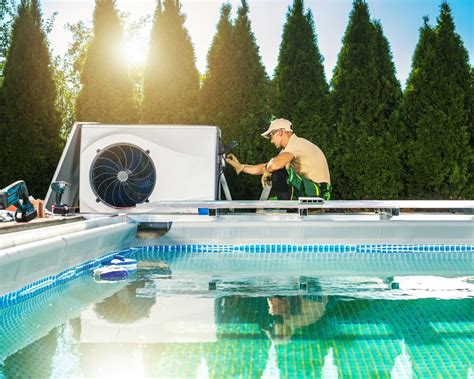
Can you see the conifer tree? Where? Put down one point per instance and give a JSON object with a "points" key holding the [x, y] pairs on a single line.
{"points": [[31, 145], [436, 113], [235, 95], [251, 104], [107, 90], [470, 129], [365, 159], [301, 87], [390, 90], [417, 99], [217, 96], [386, 127], [171, 82]]}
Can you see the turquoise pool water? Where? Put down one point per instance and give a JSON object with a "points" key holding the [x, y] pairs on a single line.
{"points": [[169, 320]]}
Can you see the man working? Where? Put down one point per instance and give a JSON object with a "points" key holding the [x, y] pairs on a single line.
{"points": [[300, 169]]}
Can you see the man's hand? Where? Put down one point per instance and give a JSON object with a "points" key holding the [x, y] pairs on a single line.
{"points": [[234, 162], [266, 179]]}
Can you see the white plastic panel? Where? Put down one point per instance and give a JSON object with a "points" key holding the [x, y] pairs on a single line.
{"points": [[27, 263], [296, 230], [185, 159]]}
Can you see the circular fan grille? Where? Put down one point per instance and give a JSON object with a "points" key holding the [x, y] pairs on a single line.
{"points": [[122, 175]]}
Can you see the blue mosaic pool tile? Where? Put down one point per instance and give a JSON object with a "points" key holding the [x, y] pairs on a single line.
{"points": [[283, 248], [39, 286]]}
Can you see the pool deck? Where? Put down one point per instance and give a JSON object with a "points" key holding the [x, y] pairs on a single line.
{"points": [[13, 226]]}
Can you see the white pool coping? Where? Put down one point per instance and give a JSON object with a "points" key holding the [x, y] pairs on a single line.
{"points": [[12, 239], [55, 250], [303, 203]]}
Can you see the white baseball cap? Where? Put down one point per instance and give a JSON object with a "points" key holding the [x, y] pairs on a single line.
{"points": [[279, 123]]}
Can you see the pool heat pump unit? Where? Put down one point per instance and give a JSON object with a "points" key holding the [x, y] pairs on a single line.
{"points": [[122, 175], [126, 168]]}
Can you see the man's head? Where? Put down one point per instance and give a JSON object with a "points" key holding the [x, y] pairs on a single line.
{"points": [[279, 131]]}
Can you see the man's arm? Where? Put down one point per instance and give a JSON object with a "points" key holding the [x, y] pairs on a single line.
{"points": [[280, 161], [255, 169]]}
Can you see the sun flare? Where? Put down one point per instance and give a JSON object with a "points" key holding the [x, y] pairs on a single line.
{"points": [[134, 50]]}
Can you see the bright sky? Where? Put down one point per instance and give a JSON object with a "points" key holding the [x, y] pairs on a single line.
{"points": [[401, 20]]}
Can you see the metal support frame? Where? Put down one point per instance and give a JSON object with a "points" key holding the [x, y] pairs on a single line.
{"points": [[303, 211], [388, 213], [225, 187], [386, 208]]}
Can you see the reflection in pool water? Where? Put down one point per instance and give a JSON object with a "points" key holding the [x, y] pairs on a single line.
{"points": [[161, 325]]}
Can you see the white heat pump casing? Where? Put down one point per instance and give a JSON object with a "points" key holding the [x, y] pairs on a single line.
{"points": [[185, 159]]}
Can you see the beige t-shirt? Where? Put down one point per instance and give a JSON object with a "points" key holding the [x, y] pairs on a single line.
{"points": [[309, 160]]}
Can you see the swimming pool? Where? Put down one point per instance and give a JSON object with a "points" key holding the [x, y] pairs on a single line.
{"points": [[191, 311]]}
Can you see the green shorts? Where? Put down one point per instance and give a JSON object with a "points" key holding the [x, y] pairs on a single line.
{"points": [[304, 187]]}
